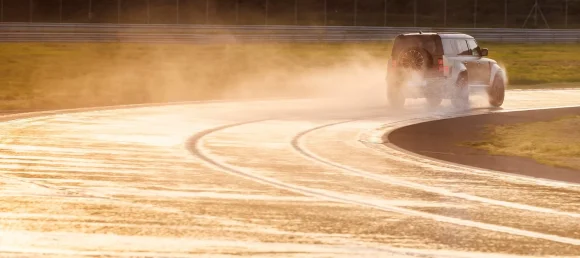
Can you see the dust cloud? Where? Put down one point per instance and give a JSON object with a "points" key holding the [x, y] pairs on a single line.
{"points": [[101, 74], [358, 79], [112, 74]]}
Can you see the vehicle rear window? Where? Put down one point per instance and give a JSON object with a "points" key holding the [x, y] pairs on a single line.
{"points": [[431, 43]]}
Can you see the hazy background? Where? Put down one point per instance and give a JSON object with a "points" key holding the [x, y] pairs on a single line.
{"points": [[61, 75], [430, 13]]}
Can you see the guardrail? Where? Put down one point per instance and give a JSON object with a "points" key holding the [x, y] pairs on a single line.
{"points": [[30, 32]]}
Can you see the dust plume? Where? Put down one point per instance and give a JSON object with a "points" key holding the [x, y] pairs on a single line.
{"points": [[76, 75], [359, 77]]}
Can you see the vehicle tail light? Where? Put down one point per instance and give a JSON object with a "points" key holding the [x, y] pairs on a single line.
{"points": [[442, 67]]}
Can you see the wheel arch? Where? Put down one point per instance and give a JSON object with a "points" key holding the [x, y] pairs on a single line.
{"points": [[497, 70], [458, 69], [462, 73]]}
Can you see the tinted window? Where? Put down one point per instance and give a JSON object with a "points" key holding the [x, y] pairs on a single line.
{"points": [[474, 47], [449, 47], [462, 47]]}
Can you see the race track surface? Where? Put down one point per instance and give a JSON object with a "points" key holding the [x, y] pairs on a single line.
{"points": [[287, 178]]}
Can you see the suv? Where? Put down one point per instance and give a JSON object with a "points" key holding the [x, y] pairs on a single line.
{"points": [[439, 66]]}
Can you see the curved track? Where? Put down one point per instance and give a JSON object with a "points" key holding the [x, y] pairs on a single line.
{"points": [[270, 179]]}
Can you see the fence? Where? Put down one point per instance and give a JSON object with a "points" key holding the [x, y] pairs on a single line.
{"points": [[22, 32], [386, 13]]}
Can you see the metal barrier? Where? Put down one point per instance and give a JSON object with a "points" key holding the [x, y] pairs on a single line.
{"points": [[31, 32]]}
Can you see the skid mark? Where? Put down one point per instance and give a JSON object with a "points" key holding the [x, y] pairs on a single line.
{"points": [[375, 139], [46, 244], [196, 143], [63, 188], [297, 143], [118, 141]]}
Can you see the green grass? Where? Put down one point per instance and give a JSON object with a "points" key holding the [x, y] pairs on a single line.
{"points": [[55, 75], [555, 143], [529, 64]]}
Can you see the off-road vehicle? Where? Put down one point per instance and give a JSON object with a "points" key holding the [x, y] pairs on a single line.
{"points": [[439, 66]]}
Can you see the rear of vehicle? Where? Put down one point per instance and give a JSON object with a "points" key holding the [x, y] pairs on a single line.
{"points": [[423, 53], [437, 66], [417, 68]]}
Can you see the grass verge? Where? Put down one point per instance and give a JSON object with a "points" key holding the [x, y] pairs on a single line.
{"points": [[555, 142], [56, 75]]}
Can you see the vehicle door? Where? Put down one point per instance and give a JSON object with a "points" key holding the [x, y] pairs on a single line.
{"points": [[482, 68], [450, 51], [465, 56]]}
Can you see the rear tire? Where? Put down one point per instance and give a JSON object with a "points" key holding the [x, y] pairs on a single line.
{"points": [[460, 98], [496, 91]]}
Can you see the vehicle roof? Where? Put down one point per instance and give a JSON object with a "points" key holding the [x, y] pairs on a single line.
{"points": [[446, 35]]}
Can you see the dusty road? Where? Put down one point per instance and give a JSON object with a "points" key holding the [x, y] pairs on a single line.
{"points": [[304, 178]]}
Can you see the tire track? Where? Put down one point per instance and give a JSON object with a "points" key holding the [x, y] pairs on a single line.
{"points": [[68, 192], [195, 145], [168, 209], [71, 192], [397, 154], [299, 147]]}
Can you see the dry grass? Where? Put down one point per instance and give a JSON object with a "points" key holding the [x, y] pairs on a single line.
{"points": [[36, 75], [529, 64], [555, 143], [55, 75]]}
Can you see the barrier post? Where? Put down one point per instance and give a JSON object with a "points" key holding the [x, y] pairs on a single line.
{"points": [[266, 15], [118, 11], [566, 15], [295, 12], [206, 11], [355, 11], [505, 14], [237, 11], [325, 12], [445, 13], [475, 13], [385, 15], [415, 13]]}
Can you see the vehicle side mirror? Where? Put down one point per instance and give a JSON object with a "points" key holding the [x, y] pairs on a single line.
{"points": [[484, 52]]}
